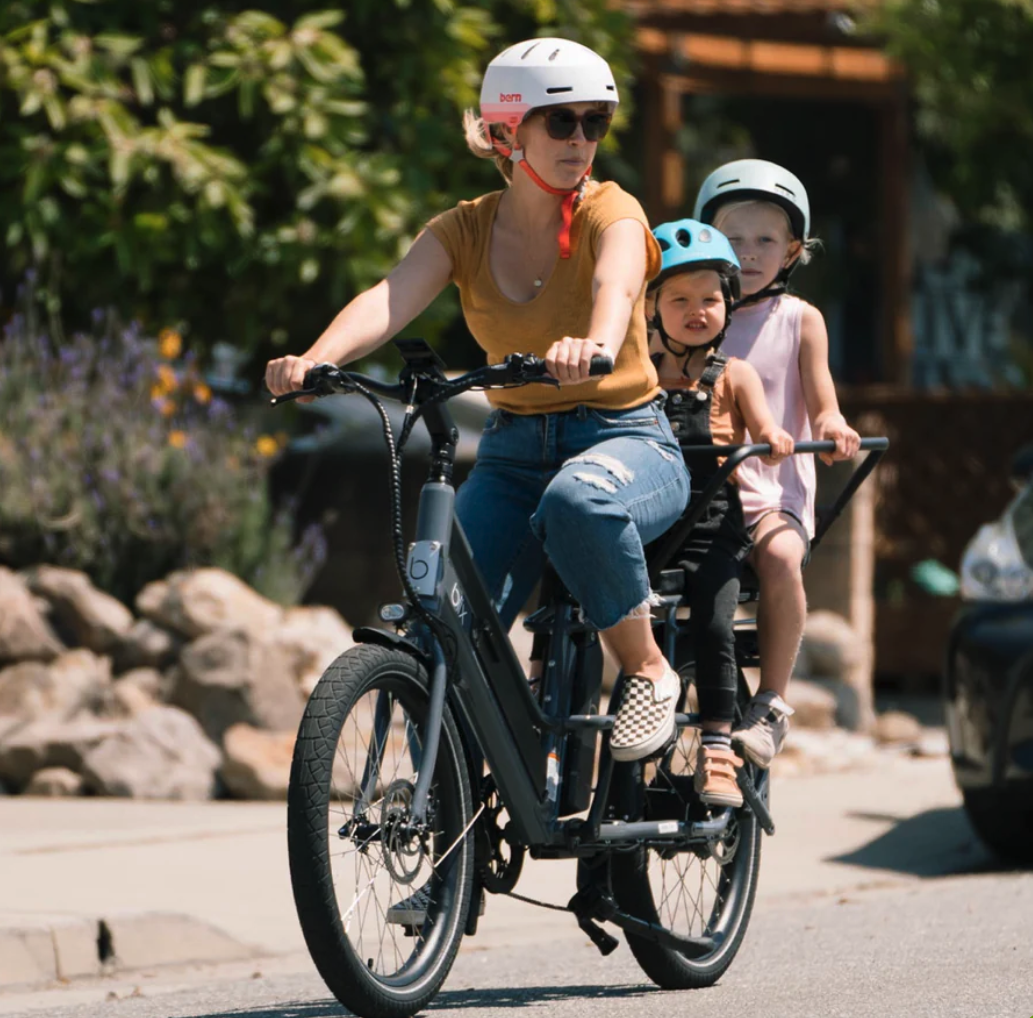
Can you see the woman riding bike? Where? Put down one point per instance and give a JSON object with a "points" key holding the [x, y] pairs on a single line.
{"points": [[554, 264]]}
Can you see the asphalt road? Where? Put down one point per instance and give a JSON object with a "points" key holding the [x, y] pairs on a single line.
{"points": [[959, 946]]}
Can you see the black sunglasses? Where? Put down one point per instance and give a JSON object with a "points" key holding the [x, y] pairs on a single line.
{"points": [[561, 123]]}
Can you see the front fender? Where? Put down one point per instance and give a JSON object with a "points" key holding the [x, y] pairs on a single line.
{"points": [[385, 638]]}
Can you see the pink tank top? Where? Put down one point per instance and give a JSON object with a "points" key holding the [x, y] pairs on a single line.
{"points": [[767, 335]]}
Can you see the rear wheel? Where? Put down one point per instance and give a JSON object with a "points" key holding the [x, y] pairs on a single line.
{"points": [[382, 900], [705, 893]]}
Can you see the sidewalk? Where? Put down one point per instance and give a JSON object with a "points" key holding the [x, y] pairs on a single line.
{"points": [[212, 878]]}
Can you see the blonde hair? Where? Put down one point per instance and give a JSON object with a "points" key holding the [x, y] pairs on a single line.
{"points": [[479, 136], [807, 247]]}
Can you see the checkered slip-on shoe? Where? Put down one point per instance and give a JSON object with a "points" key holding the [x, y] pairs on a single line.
{"points": [[645, 718]]}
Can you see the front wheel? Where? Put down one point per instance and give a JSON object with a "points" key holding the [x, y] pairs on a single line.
{"points": [[704, 893], [382, 900]]}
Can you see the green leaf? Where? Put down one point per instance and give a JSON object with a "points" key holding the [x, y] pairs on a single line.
{"points": [[142, 81], [194, 84], [122, 46], [319, 20]]}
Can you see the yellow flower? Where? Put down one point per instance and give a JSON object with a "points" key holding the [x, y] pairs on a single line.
{"points": [[202, 393], [168, 407], [157, 392], [178, 439], [170, 344], [267, 446], [167, 378]]}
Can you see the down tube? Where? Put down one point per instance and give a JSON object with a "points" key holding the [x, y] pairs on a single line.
{"points": [[487, 678]]}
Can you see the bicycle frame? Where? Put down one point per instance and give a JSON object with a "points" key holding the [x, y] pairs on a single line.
{"points": [[490, 692]]}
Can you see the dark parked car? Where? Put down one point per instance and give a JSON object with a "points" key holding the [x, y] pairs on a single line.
{"points": [[989, 677]]}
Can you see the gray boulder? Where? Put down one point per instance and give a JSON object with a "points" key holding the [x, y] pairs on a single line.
{"points": [[55, 783], [24, 632], [50, 743], [73, 682], [94, 620], [229, 678], [161, 753], [199, 601]]}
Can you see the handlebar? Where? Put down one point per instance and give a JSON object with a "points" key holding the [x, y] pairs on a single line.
{"points": [[516, 369], [675, 538]]}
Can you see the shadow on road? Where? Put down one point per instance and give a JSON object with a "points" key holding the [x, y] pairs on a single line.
{"points": [[936, 843], [469, 999]]}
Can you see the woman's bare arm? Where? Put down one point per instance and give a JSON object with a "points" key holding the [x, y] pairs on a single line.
{"points": [[620, 271]]}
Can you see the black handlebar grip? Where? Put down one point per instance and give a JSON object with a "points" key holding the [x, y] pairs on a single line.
{"points": [[602, 364]]}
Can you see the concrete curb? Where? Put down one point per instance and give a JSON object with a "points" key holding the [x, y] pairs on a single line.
{"points": [[37, 950]]}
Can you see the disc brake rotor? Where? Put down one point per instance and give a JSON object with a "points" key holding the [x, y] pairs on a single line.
{"points": [[403, 849]]}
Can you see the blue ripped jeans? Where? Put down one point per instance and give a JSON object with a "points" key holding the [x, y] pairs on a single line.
{"points": [[587, 488]]}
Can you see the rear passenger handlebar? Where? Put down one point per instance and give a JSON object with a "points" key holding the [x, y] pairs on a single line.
{"points": [[676, 536]]}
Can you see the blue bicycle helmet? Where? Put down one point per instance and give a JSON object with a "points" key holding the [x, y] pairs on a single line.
{"points": [[687, 245]]}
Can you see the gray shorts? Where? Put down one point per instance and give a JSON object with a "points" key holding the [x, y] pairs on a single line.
{"points": [[752, 531]]}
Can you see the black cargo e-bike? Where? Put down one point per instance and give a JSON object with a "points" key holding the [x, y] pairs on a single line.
{"points": [[426, 767]]}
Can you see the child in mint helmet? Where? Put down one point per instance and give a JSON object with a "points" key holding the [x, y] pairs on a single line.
{"points": [[712, 400], [764, 211]]}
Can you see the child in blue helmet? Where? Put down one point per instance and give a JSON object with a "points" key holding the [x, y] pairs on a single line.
{"points": [[712, 400], [764, 211]]}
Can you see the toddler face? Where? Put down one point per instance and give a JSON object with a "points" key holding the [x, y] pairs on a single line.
{"points": [[692, 307], [759, 233]]}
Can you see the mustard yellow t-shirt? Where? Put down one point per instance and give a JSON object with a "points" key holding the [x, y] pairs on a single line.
{"points": [[563, 306]]}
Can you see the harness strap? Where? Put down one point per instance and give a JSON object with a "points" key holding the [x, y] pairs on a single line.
{"points": [[712, 372], [569, 195]]}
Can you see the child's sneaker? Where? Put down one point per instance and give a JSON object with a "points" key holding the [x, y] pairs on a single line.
{"points": [[645, 718], [715, 777], [762, 732]]}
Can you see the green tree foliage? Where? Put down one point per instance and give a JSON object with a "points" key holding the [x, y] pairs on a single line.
{"points": [[241, 172], [970, 62]]}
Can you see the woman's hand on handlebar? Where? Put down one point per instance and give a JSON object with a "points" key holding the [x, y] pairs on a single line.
{"points": [[287, 374], [569, 360], [834, 428], [781, 443]]}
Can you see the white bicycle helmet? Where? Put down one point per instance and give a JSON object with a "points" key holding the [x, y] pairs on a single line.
{"points": [[747, 179], [543, 72]]}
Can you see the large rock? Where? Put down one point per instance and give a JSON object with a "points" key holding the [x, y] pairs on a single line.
{"points": [[49, 743], [148, 680], [312, 638], [897, 727], [146, 646], [200, 601], [74, 682], [824, 752], [257, 764], [230, 678], [55, 783], [92, 618], [831, 646], [24, 632], [815, 707], [161, 753]]}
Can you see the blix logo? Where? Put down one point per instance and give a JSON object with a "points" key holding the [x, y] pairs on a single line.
{"points": [[510, 97]]}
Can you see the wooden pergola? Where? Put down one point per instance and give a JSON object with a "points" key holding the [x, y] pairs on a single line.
{"points": [[803, 49]]}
